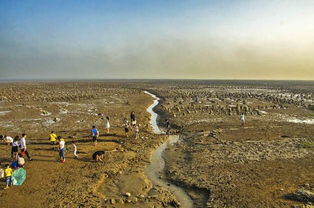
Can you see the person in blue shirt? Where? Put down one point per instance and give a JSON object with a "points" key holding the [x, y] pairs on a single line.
{"points": [[95, 134]]}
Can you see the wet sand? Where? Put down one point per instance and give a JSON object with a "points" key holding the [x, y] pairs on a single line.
{"points": [[216, 163]]}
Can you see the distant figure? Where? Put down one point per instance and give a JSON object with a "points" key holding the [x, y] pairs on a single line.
{"points": [[133, 123], [107, 124], [132, 116], [242, 119], [136, 131], [98, 156], [61, 149], [133, 120], [95, 134], [23, 146], [20, 161], [15, 148], [126, 127], [7, 139], [167, 126], [53, 138], [1, 172], [8, 175], [74, 150]]}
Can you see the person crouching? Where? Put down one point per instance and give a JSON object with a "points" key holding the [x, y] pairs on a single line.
{"points": [[98, 156]]}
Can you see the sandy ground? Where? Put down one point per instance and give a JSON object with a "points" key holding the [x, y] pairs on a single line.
{"points": [[217, 162], [223, 164], [81, 182]]}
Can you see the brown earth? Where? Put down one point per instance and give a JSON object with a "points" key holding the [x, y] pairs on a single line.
{"points": [[81, 182], [229, 165], [218, 162]]}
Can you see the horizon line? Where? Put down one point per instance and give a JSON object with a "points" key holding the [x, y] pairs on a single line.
{"points": [[143, 79]]}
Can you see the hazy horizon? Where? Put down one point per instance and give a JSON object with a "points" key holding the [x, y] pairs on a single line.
{"points": [[206, 40]]}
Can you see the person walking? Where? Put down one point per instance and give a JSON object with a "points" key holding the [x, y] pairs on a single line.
{"points": [[8, 175], [74, 150], [52, 138], [107, 124], [133, 120], [61, 149], [126, 127], [136, 131], [15, 148], [242, 119], [95, 134], [23, 146], [132, 116], [167, 126]]}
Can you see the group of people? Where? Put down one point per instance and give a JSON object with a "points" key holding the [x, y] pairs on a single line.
{"points": [[95, 132], [131, 126], [54, 139], [17, 156], [16, 143], [98, 155], [128, 126], [19, 147]]}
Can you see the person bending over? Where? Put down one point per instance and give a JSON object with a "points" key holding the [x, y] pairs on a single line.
{"points": [[98, 156]]}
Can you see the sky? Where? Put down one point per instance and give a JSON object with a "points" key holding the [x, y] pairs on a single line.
{"points": [[170, 39]]}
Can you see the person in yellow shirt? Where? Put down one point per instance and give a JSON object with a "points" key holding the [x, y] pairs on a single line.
{"points": [[8, 175], [53, 138]]}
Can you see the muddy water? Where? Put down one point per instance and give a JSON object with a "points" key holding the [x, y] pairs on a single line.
{"points": [[153, 119], [155, 171]]}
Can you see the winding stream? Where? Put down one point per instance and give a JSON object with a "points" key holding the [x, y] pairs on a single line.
{"points": [[155, 171]]}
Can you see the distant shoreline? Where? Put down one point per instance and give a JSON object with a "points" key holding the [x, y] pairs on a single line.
{"points": [[139, 80]]}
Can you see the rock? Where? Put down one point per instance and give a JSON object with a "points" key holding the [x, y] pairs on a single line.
{"points": [[134, 199], [56, 119], [127, 194], [112, 201]]}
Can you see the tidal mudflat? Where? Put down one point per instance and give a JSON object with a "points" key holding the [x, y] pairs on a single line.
{"points": [[216, 160]]}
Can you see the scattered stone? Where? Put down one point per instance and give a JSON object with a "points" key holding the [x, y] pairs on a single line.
{"points": [[56, 119], [112, 201]]}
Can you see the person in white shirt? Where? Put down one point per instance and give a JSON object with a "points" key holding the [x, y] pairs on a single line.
{"points": [[20, 160], [23, 146], [74, 150], [1, 172], [242, 119], [107, 124], [136, 131], [7, 139], [61, 149]]}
